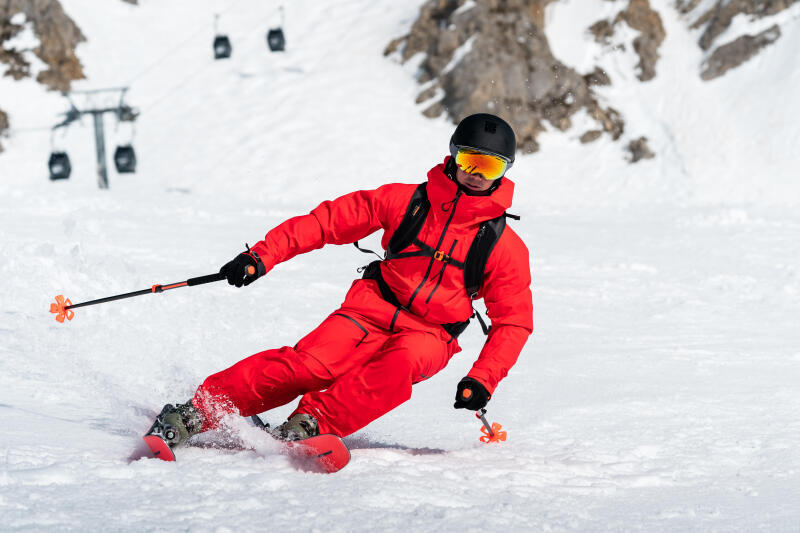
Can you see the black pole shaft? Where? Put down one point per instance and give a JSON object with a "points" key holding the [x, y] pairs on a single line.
{"points": [[191, 282], [110, 299]]}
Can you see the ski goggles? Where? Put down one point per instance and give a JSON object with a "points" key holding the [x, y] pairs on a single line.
{"points": [[489, 166]]}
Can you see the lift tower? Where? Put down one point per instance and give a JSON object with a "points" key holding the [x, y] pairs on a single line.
{"points": [[123, 112]]}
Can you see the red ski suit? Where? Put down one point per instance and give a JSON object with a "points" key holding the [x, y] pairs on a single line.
{"points": [[361, 362]]}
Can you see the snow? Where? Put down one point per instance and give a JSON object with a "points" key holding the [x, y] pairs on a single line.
{"points": [[459, 54], [659, 392]]}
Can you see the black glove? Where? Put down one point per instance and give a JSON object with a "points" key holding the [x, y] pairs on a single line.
{"points": [[244, 269], [471, 394]]}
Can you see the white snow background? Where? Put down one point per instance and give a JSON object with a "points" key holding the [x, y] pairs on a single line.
{"points": [[660, 391]]}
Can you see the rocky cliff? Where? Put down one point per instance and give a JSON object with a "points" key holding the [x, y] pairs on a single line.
{"points": [[3, 126], [57, 34], [493, 55], [57, 37], [713, 21]]}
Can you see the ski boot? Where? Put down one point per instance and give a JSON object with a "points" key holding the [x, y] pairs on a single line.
{"points": [[173, 426], [300, 426]]}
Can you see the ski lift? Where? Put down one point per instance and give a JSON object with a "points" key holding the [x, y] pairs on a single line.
{"points": [[276, 40], [222, 47], [125, 159], [275, 37], [60, 167]]}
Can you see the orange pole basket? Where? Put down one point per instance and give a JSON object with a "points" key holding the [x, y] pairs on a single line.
{"points": [[60, 309], [491, 433]]}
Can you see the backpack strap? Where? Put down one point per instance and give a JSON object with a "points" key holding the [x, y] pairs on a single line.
{"points": [[478, 255], [416, 213], [406, 234], [428, 251]]}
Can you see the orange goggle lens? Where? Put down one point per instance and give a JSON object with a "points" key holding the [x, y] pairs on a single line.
{"points": [[490, 167]]}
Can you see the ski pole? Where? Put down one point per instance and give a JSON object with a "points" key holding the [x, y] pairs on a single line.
{"points": [[491, 433], [63, 307], [482, 415]]}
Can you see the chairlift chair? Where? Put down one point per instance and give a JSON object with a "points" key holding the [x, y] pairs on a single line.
{"points": [[59, 165], [276, 40], [222, 47], [125, 159]]}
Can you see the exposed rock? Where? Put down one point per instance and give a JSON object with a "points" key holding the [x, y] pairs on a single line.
{"points": [[639, 150], [597, 77], [3, 126], [591, 136], [18, 66], [609, 119], [685, 6], [493, 56], [394, 45], [718, 18], [641, 17], [603, 31], [427, 94], [58, 36], [736, 52], [434, 110]]}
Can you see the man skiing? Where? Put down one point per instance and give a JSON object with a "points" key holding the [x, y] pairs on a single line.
{"points": [[398, 324]]}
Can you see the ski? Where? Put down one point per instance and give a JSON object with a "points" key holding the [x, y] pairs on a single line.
{"points": [[321, 453], [159, 448]]}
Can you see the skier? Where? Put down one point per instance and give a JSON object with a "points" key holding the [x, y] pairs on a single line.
{"points": [[398, 324]]}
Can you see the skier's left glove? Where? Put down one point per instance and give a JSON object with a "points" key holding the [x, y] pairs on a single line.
{"points": [[244, 269], [471, 394]]}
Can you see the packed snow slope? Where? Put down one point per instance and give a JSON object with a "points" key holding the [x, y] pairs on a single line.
{"points": [[659, 392]]}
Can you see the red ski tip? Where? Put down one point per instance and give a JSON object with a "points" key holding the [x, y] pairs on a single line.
{"points": [[324, 454], [159, 448], [58, 308]]}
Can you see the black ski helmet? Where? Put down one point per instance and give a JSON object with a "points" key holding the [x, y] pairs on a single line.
{"points": [[485, 133]]}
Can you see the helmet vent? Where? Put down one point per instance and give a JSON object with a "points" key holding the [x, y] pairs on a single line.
{"points": [[489, 127]]}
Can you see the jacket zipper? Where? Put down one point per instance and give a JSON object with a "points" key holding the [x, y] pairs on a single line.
{"points": [[441, 239]]}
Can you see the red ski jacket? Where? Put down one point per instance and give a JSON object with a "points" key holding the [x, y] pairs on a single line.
{"points": [[434, 289]]}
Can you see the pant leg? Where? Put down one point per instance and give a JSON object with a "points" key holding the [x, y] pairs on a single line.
{"points": [[258, 383], [276, 377], [365, 393]]}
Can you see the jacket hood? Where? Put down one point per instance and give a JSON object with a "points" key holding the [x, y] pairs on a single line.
{"points": [[442, 191]]}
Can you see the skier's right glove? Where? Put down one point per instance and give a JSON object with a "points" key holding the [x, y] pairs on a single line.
{"points": [[244, 269], [471, 394]]}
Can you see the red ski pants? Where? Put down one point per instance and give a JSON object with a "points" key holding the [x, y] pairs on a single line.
{"points": [[349, 371]]}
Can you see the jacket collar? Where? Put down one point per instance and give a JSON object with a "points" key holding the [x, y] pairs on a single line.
{"points": [[470, 209]]}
